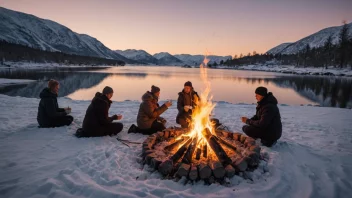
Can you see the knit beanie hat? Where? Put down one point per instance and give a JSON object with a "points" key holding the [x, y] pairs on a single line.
{"points": [[261, 91], [155, 89], [107, 90], [188, 83], [52, 83]]}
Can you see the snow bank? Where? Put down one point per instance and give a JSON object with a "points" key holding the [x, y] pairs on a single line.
{"points": [[5, 81], [312, 159], [330, 71]]}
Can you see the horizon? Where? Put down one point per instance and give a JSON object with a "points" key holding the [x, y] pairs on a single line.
{"points": [[189, 31]]}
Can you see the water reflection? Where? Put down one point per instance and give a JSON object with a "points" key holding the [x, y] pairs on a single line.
{"points": [[232, 86]]}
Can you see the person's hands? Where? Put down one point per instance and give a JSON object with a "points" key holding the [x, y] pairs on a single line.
{"points": [[67, 110], [244, 119], [168, 103], [186, 108], [119, 117]]}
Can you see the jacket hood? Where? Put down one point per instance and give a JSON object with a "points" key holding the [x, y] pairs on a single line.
{"points": [[101, 97], [149, 96], [269, 99], [46, 93]]}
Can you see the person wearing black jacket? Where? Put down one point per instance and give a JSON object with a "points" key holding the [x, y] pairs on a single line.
{"points": [[49, 113], [186, 102], [266, 124], [97, 121]]}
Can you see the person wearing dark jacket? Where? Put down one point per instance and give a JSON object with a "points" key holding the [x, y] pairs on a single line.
{"points": [[148, 118], [186, 102], [266, 124], [49, 113], [97, 121]]}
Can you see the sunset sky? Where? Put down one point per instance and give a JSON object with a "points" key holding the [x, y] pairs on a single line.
{"points": [[222, 27]]}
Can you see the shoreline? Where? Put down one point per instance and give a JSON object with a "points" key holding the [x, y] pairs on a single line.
{"points": [[307, 71]]}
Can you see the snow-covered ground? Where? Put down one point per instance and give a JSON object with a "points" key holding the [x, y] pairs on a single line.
{"points": [[312, 159], [5, 81], [295, 70], [32, 65]]}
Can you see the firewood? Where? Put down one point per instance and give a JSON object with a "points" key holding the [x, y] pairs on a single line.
{"points": [[198, 153], [204, 171], [187, 158], [216, 147], [217, 169], [183, 170], [230, 171], [193, 173]]}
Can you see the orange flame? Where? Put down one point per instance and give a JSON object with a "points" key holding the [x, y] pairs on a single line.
{"points": [[204, 107]]}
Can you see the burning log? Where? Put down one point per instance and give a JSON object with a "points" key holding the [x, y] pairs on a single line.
{"points": [[215, 146], [193, 173], [217, 169], [183, 170], [175, 144], [204, 171], [166, 167], [205, 151], [180, 151], [226, 143], [198, 153], [187, 158]]}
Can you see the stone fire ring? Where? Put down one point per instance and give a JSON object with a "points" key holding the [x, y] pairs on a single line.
{"points": [[238, 153]]}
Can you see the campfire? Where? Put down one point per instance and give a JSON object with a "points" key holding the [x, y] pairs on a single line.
{"points": [[205, 151]]}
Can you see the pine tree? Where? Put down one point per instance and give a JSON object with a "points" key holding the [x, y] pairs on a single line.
{"points": [[343, 44], [327, 51]]}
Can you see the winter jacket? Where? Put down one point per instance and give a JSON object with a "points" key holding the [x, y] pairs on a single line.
{"points": [[268, 118], [97, 114], [48, 108], [149, 111], [186, 100]]}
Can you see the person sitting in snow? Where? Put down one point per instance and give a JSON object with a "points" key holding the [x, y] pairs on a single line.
{"points": [[49, 113], [97, 121], [266, 124], [148, 118], [186, 102]]}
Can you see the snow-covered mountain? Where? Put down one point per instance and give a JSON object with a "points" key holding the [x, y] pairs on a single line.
{"points": [[138, 55], [164, 58], [195, 60], [315, 40], [278, 48], [31, 31]]}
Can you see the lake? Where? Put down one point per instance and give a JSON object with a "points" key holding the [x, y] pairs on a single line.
{"points": [[234, 86]]}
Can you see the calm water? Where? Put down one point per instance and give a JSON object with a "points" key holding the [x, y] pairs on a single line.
{"points": [[131, 82]]}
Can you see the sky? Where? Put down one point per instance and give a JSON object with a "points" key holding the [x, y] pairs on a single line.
{"points": [[218, 27]]}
